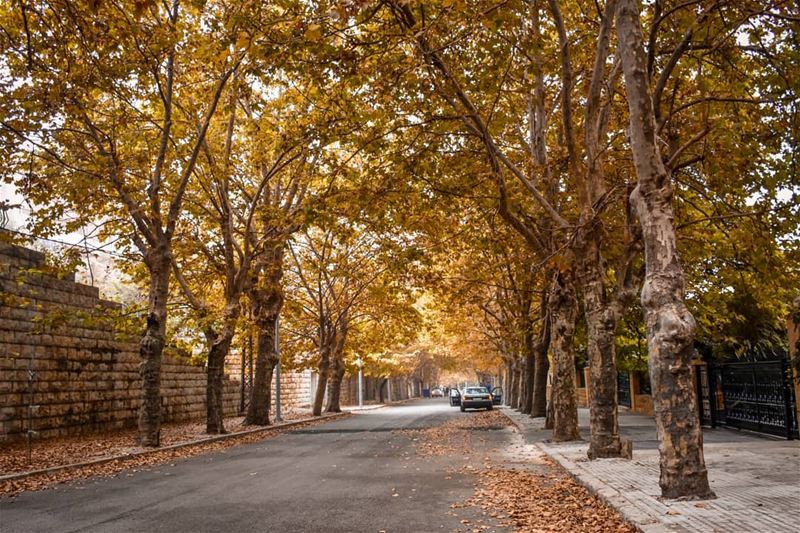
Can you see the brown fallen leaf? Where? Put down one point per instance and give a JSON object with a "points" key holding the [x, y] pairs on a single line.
{"points": [[55, 452]]}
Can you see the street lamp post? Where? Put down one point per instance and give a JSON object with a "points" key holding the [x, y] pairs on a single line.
{"points": [[278, 417], [360, 364]]}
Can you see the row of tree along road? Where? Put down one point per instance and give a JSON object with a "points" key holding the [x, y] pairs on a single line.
{"points": [[350, 167]]}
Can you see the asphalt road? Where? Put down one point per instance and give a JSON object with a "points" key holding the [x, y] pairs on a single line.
{"points": [[339, 476]]}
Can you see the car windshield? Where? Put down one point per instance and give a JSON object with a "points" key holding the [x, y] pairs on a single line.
{"points": [[476, 390]]}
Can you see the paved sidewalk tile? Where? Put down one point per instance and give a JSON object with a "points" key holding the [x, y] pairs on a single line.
{"points": [[756, 479]]}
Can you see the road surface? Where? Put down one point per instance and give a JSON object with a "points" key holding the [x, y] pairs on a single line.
{"points": [[353, 475]]}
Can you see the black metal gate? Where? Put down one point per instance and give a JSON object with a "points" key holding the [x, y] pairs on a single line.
{"points": [[624, 389], [754, 395], [704, 393]]}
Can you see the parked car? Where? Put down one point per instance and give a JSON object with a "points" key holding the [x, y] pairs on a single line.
{"points": [[437, 393], [476, 398]]}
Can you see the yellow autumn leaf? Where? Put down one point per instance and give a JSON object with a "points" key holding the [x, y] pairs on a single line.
{"points": [[313, 32]]}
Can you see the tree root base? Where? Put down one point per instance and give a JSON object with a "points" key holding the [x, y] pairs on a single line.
{"points": [[616, 449], [693, 488]]}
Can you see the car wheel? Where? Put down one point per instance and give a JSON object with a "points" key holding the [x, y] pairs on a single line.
{"points": [[463, 408], [490, 408]]}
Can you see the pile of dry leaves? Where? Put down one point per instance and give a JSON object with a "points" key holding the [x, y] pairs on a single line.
{"points": [[56, 452], [454, 437], [530, 501], [529, 493]]}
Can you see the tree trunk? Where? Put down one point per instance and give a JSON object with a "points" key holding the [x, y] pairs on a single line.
{"points": [[514, 393], [601, 325], [338, 366], [507, 383], [266, 295], [335, 385], [272, 361], [528, 372], [151, 347], [542, 367], [258, 410], [322, 380], [219, 345], [670, 325], [563, 315], [550, 415], [510, 388], [381, 389]]}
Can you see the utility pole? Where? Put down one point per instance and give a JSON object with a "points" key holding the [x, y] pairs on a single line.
{"points": [[360, 364], [389, 390], [31, 407], [278, 371]]}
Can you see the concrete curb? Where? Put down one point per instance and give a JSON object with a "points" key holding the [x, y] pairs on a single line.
{"points": [[598, 488], [510, 419], [612, 497], [133, 455], [370, 407]]}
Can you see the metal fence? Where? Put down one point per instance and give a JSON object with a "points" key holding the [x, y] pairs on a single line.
{"points": [[753, 395], [624, 389]]}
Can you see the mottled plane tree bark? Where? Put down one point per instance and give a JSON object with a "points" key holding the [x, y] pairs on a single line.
{"points": [[670, 324]]}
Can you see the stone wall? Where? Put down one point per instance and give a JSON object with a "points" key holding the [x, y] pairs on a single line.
{"points": [[296, 389], [84, 378]]}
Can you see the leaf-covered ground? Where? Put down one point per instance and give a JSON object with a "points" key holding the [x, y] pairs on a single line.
{"points": [[519, 488], [69, 450]]}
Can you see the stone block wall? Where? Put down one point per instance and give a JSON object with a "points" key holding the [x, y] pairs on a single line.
{"points": [[84, 378], [296, 388]]}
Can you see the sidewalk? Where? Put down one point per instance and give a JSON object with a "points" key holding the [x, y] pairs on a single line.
{"points": [[756, 479]]}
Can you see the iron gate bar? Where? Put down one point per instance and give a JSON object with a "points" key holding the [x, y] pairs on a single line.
{"points": [[756, 395], [624, 390]]}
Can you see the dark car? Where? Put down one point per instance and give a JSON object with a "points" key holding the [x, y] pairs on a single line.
{"points": [[476, 398]]}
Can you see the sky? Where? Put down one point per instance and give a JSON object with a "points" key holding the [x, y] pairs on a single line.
{"points": [[99, 269]]}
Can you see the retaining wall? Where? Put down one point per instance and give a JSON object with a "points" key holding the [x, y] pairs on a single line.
{"points": [[296, 391], [84, 379]]}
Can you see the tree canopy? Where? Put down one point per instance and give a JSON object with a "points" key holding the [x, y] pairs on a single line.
{"points": [[465, 184]]}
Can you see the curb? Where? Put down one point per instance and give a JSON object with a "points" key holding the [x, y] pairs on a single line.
{"points": [[601, 490], [510, 419], [643, 522], [133, 455]]}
